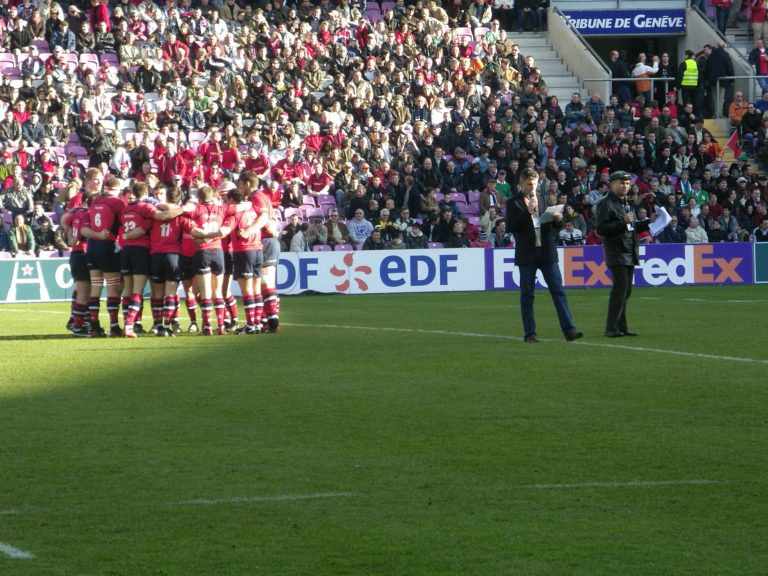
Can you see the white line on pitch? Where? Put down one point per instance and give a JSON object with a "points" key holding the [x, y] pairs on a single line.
{"points": [[709, 300], [15, 553], [636, 484], [278, 498], [20, 311], [9, 512], [515, 338]]}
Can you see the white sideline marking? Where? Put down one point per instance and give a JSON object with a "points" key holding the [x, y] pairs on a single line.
{"points": [[9, 512], [636, 484], [15, 553], [709, 300], [36, 311], [516, 338], [279, 498]]}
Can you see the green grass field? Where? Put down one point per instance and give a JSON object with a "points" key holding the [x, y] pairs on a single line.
{"points": [[393, 435]]}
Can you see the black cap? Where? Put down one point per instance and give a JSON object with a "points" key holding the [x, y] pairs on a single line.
{"points": [[620, 175]]}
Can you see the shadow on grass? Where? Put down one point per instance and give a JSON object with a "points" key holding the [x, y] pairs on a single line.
{"points": [[22, 337]]}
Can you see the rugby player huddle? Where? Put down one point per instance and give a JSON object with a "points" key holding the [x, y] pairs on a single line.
{"points": [[121, 237]]}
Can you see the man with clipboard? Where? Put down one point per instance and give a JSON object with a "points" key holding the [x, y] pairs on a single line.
{"points": [[535, 249]]}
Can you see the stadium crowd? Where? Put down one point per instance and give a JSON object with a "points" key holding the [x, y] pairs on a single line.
{"points": [[378, 126]]}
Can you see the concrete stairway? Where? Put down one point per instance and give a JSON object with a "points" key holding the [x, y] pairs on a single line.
{"points": [[560, 80], [721, 130]]}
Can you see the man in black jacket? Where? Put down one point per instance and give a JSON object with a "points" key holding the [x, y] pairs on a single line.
{"points": [[616, 224], [535, 250]]}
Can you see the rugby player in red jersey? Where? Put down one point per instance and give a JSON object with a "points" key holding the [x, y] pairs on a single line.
{"points": [[103, 253], [188, 249], [206, 218], [165, 247], [77, 222], [136, 263], [247, 257], [248, 183], [230, 303]]}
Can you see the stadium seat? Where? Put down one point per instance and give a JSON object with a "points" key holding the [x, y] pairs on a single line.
{"points": [[480, 33], [291, 211], [457, 197], [470, 209], [321, 248], [474, 196], [127, 125], [343, 247], [109, 125], [324, 199], [89, 62], [112, 59], [10, 70], [5, 256], [464, 31], [42, 45], [435, 245], [314, 213], [72, 61], [7, 58], [195, 138], [78, 151]]}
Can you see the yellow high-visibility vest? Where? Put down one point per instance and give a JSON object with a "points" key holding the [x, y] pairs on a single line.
{"points": [[691, 73]]}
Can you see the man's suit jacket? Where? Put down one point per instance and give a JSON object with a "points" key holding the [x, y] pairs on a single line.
{"points": [[520, 223]]}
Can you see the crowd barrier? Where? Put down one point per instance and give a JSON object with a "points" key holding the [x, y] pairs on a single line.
{"points": [[470, 269]]}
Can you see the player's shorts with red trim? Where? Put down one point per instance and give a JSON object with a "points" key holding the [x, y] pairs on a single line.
{"points": [[166, 267], [271, 251], [209, 261], [187, 267], [248, 264], [103, 255], [135, 260], [78, 266]]}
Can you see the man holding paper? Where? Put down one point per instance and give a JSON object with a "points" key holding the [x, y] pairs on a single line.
{"points": [[535, 249], [617, 225]]}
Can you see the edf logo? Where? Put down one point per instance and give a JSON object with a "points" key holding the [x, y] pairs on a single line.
{"points": [[300, 273], [417, 270]]}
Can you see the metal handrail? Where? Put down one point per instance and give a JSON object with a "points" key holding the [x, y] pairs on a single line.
{"points": [[652, 79], [751, 90], [581, 38]]}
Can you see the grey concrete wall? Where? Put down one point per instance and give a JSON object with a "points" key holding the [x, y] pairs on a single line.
{"points": [[578, 58]]}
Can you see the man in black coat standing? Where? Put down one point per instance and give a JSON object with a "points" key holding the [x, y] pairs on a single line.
{"points": [[535, 250], [616, 224]]}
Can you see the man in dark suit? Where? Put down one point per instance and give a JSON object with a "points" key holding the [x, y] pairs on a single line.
{"points": [[535, 250]]}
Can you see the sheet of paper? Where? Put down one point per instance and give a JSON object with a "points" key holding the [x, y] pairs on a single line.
{"points": [[550, 212], [662, 221]]}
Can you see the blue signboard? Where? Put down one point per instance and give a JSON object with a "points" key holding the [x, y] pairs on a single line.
{"points": [[627, 22]]}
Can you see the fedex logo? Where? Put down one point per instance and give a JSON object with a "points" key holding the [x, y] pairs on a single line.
{"points": [[660, 265]]}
